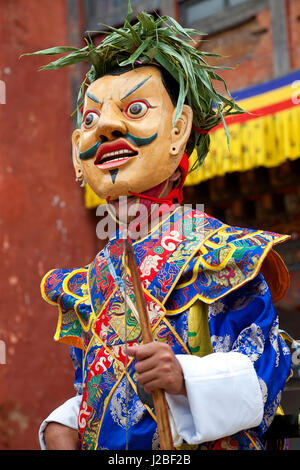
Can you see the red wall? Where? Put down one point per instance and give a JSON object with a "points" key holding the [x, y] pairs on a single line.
{"points": [[42, 217], [293, 22], [248, 48]]}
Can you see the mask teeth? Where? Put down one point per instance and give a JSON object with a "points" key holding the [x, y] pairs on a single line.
{"points": [[117, 155]]}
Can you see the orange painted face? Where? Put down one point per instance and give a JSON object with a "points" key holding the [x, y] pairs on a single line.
{"points": [[127, 142]]}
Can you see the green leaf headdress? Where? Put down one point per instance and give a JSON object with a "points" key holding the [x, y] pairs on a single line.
{"points": [[164, 42]]}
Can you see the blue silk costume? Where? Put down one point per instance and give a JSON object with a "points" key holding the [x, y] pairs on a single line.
{"points": [[190, 257]]}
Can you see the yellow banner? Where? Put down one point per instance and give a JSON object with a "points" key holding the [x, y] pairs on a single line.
{"points": [[265, 141]]}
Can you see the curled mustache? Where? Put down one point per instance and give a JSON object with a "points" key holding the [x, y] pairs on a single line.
{"points": [[137, 141]]}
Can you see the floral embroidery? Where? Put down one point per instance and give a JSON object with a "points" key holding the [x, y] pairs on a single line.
{"points": [[273, 337], [149, 263], [250, 342], [270, 411], [216, 308], [221, 343], [124, 404], [264, 389]]}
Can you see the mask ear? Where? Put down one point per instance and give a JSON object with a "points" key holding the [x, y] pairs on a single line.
{"points": [[181, 131], [75, 157]]}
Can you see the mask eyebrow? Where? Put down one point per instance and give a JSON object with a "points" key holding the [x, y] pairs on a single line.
{"points": [[136, 87], [92, 97]]}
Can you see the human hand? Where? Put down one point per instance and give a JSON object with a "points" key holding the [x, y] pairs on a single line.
{"points": [[158, 368]]}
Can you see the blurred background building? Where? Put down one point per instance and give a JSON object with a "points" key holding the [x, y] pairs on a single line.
{"points": [[48, 221]]}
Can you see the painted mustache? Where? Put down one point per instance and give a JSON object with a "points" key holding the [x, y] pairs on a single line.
{"points": [[137, 141]]}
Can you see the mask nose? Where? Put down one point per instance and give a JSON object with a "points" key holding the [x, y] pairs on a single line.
{"points": [[111, 124]]}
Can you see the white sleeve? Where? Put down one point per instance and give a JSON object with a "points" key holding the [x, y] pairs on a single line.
{"points": [[66, 414], [223, 397]]}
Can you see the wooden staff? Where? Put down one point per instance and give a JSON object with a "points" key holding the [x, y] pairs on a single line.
{"points": [[159, 399]]}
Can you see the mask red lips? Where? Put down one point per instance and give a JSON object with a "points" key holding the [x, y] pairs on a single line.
{"points": [[113, 154]]}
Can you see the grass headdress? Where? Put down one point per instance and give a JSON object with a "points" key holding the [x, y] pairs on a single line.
{"points": [[162, 41]]}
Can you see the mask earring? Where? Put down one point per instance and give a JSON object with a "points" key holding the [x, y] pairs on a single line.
{"points": [[174, 150], [79, 178]]}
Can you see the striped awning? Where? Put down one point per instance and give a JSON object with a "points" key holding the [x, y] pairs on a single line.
{"points": [[267, 135]]}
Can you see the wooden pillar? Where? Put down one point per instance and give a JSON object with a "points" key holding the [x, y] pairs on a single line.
{"points": [[74, 37], [281, 56]]}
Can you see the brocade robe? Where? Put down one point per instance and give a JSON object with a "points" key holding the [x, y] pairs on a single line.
{"points": [[206, 288]]}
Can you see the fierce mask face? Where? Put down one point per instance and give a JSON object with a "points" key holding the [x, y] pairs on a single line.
{"points": [[127, 142]]}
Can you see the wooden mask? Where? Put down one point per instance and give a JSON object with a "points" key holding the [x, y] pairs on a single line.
{"points": [[127, 141]]}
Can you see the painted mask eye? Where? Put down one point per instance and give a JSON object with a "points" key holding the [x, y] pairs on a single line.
{"points": [[137, 109], [90, 119]]}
